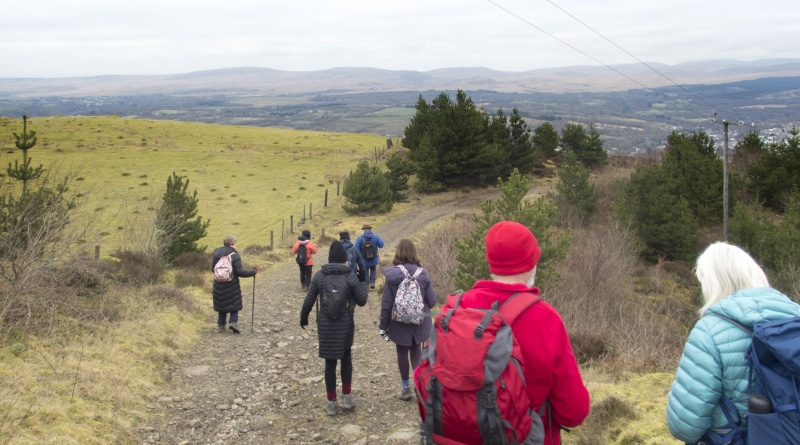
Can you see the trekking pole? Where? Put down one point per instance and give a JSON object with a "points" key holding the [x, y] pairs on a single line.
{"points": [[370, 311], [253, 310]]}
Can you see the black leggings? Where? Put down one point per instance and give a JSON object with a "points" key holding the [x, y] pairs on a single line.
{"points": [[305, 275], [330, 370], [403, 353]]}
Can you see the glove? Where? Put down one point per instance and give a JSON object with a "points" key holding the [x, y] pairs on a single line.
{"points": [[384, 335], [304, 322]]}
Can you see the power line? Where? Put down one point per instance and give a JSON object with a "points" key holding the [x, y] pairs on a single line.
{"points": [[598, 60], [633, 56]]}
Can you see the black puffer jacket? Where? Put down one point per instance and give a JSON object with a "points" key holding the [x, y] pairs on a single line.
{"points": [[335, 336], [228, 295]]}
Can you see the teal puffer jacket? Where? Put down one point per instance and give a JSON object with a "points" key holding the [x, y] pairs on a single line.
{"points": [[713, 361]]}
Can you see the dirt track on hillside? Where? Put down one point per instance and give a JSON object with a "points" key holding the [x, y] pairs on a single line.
{"points": [[265, 385]]}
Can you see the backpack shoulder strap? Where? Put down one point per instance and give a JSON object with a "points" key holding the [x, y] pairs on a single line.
{"points": [[417, 272], [404, 270], [516, 305], [741, 326]]}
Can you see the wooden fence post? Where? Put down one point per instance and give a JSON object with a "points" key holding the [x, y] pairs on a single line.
{"points": [[310, 215], [326, 198], [291, 224], [271, 240], [283, 223], [337, 188], [97, 252], [304, 212], [323, 232]]}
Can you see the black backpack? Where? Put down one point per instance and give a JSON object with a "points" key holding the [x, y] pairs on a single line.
{"points": [[369, 249], [302, 254], [334, 296]]}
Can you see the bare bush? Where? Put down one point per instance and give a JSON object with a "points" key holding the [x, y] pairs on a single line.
{"points": [[602, 315], [196, 261], [438, 253], [172, 296], [140, 267], [189, 278], [256, 249], [37, 232]]}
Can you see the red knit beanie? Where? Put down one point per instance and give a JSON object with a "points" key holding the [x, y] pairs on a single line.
{"points": [[511, 249]]}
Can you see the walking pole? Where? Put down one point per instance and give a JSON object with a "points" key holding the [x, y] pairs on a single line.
{"points": [[253, 310], [370, 311]]}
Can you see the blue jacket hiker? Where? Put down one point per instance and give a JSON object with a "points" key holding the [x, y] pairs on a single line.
{"points": [[370, 254], [713, 361]]}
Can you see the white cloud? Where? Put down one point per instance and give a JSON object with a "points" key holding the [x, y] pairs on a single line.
{"points": [[51, 38]]}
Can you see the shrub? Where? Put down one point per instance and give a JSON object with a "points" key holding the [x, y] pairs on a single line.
{"points": [[187, 278], [172, 296], [140, 267], [199, 261]]}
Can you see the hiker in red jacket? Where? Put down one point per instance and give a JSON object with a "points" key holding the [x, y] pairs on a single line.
{"points": [[551, 372]]}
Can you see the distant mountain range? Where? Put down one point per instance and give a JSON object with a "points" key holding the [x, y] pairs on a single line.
{"points": [[248, 82]]}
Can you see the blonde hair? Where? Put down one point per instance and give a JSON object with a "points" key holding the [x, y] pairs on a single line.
{"points": [[724, 269]]}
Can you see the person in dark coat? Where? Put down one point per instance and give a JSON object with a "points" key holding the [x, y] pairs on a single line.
{"points": [[228, 294], [407, 337], [354, 258], [335, 335]]}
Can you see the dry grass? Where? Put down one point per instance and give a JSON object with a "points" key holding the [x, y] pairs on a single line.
{"points": [[90, 384], [438, 253]]}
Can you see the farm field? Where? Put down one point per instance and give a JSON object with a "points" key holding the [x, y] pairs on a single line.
{"points": [[249, 180]]}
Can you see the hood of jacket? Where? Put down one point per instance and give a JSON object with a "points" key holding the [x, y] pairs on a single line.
{"points": [[754, 306], [395, 276], [302, 238], [335, 268], [346, 244], [367, 235]]}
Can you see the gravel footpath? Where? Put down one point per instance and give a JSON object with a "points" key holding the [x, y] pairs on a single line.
{"points": [[265, 385]]}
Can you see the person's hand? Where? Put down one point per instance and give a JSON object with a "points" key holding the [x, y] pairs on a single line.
{"points": [[303, 322], [256, 269], [384, 335]]}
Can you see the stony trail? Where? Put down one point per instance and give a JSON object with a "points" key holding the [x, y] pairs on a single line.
{"points": [[265, 385]]}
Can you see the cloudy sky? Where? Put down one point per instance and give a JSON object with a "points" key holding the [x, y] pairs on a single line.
{"points": [[58, 38]]}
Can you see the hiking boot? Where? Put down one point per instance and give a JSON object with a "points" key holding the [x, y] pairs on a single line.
{"points": [[347, 401], [331, 407], [221, 328], [406, 393], [372, 286], [234, 328]]}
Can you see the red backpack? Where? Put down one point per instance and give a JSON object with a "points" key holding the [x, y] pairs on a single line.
{"points": [[471, 383]]}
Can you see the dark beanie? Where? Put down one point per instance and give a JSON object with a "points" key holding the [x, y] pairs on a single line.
{"points": [[337, 253], [345, 235]]}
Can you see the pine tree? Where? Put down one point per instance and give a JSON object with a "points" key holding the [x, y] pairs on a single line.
{"points": [[367, 189], [521, 147], [417, 126], [24, 141], [179, 226], [399, 171], [538, 216], [545, 140], [575, 194]]}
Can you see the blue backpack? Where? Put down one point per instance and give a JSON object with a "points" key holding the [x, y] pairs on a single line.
{"points": [[773, 414]]}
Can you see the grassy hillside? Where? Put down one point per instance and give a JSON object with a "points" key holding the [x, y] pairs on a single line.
{"points": [[249, 180]]}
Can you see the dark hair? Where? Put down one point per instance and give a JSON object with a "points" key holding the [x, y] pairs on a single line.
{"points": [[406, 253]]}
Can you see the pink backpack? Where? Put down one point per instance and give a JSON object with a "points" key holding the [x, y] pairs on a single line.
{"points": [[408, 300], [223, 270]]}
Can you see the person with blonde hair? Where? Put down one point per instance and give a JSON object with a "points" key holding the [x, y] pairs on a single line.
{"points": [[227, 295], [406, 335], [713, 367]]}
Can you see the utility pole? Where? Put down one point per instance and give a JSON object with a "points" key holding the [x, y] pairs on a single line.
{"points": [[725, 124]]}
